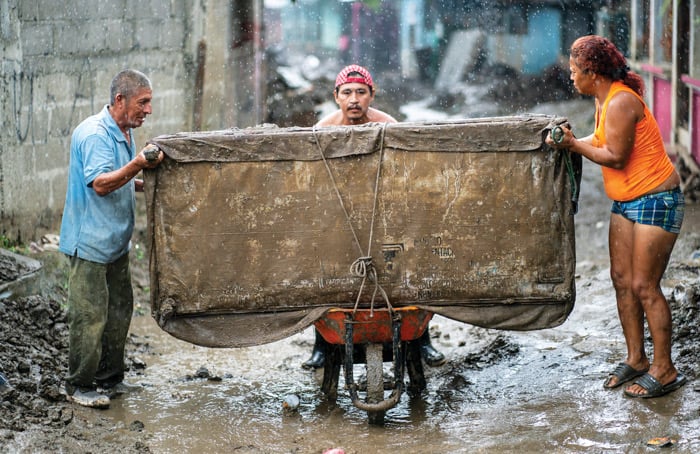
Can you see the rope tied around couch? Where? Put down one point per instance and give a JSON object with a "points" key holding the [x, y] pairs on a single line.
{"points": [[363, 267]]}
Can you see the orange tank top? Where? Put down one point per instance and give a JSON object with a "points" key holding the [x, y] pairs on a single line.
{"points": [[648, 164]]}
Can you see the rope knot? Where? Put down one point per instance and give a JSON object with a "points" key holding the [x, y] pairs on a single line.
{"points": [[361, 266]]}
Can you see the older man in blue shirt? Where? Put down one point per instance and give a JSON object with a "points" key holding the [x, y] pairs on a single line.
{"points": [[96, 229]]}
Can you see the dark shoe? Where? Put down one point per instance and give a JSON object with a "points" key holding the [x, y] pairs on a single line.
{"points": [[432, 357], [120, 388], [318, 356], [624, 373], [89, 398], [654, 388], [316, 361]]}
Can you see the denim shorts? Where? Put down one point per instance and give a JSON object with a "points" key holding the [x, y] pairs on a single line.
{"points": [[663, 209]]}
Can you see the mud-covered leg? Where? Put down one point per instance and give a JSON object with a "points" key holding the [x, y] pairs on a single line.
{"points": [[414, 365], [331, 371]]}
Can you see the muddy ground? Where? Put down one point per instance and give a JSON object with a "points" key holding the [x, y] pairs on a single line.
{"points": [[35, 417]]}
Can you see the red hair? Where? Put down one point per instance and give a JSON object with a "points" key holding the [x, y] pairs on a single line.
{"points": [[600, 56]]}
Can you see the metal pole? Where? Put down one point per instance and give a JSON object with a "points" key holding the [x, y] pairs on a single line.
{"points": [[258, 57]]}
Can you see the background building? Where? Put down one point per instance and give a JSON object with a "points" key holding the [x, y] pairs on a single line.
{"points": [[219, 64]]}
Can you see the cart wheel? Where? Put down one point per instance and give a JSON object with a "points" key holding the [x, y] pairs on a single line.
{"points": [[375, 381]]}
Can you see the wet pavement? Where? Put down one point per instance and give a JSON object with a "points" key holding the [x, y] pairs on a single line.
{"points": [[501, 391]]}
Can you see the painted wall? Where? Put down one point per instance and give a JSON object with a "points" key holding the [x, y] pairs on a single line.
{"points": [[534, 51], [542, 41], [58, 59]]}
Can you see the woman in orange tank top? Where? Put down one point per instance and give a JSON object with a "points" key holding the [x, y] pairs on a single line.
{"points": [[647, 210]]}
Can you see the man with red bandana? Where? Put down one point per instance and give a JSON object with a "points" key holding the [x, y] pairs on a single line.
{"points": [[354, 92]]}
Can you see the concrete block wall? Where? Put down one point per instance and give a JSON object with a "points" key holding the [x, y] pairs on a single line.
{"points": [[57, 61]]}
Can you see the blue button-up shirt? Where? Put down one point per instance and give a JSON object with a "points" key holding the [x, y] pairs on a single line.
{"points": [[98, 228]]}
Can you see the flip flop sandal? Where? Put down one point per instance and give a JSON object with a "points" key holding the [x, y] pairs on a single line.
{"points": [[624, 373], [654, 388]]}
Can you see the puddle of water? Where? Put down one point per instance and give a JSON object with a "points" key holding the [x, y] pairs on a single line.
{"points": [[542, 394], [547, 396]]}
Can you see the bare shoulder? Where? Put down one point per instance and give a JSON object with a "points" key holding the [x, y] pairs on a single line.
{"points": [[625, 104], [333, 119], [625, 98], [376, 115]]}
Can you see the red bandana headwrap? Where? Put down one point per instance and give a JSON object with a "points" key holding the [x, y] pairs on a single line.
{"points": [[364, 78]]}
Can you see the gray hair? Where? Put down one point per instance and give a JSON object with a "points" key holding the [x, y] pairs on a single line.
{"points": [[127, 82]]}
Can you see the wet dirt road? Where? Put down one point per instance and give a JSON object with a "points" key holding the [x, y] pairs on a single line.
{"points": [[500, 391]]}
